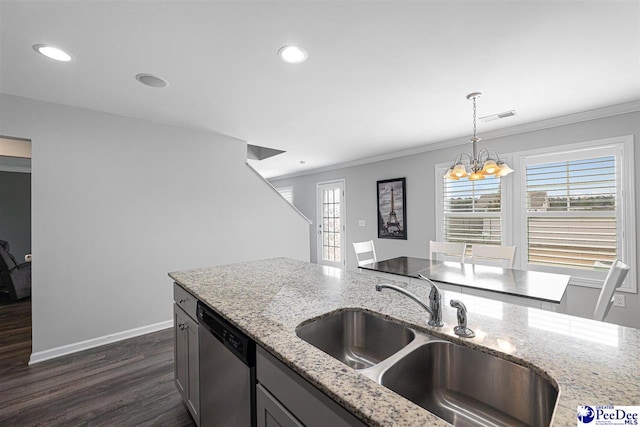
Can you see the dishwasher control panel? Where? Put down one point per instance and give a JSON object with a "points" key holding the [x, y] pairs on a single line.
{"points": [[232, 338]]}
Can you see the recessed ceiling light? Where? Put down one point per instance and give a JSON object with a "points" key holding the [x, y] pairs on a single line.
{"points": [[151, 80], [293, 54], [52, 52]]}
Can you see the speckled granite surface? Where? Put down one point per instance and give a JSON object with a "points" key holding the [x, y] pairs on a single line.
{"points": [[593, 363]]}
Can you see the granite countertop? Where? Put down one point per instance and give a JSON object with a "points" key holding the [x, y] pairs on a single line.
{"points": [[593, 363]]}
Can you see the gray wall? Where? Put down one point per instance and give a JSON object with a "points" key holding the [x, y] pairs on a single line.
{"points": [[421, 210], [118, 203], [15, 212]]}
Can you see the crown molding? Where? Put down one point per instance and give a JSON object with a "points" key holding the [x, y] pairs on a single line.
{"points": [[599, 113]]}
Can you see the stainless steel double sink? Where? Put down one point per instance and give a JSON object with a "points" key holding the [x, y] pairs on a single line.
{"points": [[461, 385]]}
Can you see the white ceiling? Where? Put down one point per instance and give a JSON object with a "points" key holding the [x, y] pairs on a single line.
{"points": [[382, 76]]}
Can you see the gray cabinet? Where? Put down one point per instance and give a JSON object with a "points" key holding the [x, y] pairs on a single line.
{"points": [[186, 358], [290, 400], [282, 397], [270, 413]]}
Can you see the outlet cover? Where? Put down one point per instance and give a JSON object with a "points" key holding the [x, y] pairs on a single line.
{"points": [[361, 223], [618, 300]]}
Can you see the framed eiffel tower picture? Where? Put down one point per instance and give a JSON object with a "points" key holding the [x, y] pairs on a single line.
{"points": [[392, 209]]}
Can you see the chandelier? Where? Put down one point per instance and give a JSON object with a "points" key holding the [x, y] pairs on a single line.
{"points": [[483, 163]]}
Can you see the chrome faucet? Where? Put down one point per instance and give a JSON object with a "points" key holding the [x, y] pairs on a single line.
{"points": [[435, 299], [435, 302]]}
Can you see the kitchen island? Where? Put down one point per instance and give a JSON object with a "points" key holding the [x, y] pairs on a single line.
{"points": [[592, 363]]}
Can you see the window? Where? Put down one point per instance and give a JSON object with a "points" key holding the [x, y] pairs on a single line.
{"points": [[578, 210], [287, 193], [471, 211], [568, 209], [571, 209]]}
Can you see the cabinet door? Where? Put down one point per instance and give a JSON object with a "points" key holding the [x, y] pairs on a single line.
{"points": [[271, 413], [180, 349], [192, 396], [186, 361], [307, 404]]}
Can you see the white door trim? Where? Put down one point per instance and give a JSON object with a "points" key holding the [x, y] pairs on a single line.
{"points": [[343, 226]]}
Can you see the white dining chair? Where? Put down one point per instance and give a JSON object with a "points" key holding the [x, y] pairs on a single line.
{"points": [[616, 275], [502, 256], [364, 248], [448, 250]]}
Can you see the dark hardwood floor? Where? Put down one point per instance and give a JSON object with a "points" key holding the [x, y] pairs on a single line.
{"points": [[128, 383]]}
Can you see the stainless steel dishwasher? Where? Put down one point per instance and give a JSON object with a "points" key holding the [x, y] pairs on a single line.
{"points": [[227, 372]]}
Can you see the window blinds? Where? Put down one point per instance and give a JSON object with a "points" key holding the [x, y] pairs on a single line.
{"points": [[571, 212], [472, 211]]}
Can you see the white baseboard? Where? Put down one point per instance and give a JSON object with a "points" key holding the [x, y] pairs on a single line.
{"points": [[41, 356]]}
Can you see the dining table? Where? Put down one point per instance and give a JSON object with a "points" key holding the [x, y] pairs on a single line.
{"points": [[525, 287]]}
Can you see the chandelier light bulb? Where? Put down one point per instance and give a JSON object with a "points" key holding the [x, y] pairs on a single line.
{"points": [[490, 167], [476, 176], [504, 170], [459, 171]]}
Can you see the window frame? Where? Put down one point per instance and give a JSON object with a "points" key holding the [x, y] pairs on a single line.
{"points": [[622, 149]]}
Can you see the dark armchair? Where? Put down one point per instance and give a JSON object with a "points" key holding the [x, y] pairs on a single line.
{"points": [[14, 278]]}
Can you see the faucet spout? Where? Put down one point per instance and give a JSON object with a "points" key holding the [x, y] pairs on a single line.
{"points": [[435, 301], [435, 320]]}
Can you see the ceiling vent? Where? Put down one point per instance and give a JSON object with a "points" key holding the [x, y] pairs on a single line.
{"points": [[151, 80], [255, 152], [498, 116]]}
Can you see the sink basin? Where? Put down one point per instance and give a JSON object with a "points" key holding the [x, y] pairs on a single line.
{"points": [[357, 338], [466, 387], [463, 386]]}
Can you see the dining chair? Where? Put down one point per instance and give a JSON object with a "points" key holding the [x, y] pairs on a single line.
{"points": [[448, 250], [614, 279], [502, 256], [362, 249]]}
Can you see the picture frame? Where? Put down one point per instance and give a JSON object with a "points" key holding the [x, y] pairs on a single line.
{"points": [[392, 208]]}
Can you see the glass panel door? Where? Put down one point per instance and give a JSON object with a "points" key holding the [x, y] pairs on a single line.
{"points": [[330, 224]]}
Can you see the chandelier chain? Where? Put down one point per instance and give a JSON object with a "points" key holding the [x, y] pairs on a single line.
{"points": [[474, 117]]}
